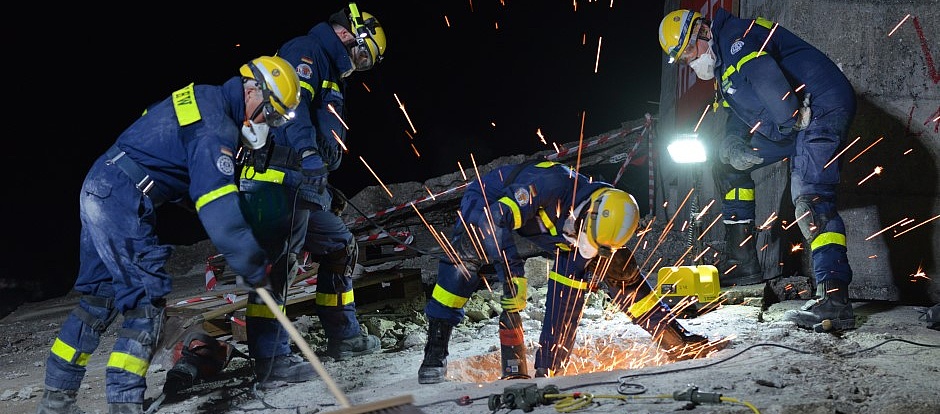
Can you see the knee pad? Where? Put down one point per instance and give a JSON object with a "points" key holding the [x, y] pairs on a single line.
{"points": [[816, 217], [341, 262], [138, 331], [96, 311]]}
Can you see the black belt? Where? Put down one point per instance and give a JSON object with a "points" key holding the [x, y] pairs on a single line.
{"points": [[143, 181], [285, 157]]}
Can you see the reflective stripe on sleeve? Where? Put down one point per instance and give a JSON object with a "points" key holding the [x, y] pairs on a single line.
{"points": [[215, 194], [516, 214], [567, 281], [448, 299]]}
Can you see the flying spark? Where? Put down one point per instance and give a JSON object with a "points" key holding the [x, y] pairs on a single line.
{"points": [[541, 137], [340, 141], [333, 111], [885, 229], [772, 30], [841, 152], [873, 173], [402, 107], [705, 112], [899, 24], [867, 148], [921, 224], [597, 60], [376, 176]]}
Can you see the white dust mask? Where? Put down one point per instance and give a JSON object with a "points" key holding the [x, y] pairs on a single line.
{"points": [[254, 135], [704, 65]]}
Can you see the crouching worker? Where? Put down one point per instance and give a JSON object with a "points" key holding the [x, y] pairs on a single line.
{"points": [[561, 211]]}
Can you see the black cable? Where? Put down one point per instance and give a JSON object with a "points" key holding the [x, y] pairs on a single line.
{"points": [[622, 383], [379, 226]]}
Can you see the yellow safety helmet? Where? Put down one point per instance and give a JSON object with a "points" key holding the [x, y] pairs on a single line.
{"points": [[370, 37], [611, 220], [279, 85], [675, 31]]}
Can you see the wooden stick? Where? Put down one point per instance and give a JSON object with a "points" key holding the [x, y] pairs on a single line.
{"points": [[304, 346]]}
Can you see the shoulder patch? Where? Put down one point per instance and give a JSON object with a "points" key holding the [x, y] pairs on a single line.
{"points": [[304, 71], [225, 164], [522, 196], [736, 46], [306, 60]]}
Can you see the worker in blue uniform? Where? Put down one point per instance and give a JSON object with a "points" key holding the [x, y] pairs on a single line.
{"points": [[786, 99], [306, 150], [580, 222], [182, 150]]}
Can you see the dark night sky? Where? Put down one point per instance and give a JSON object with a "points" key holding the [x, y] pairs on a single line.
{"points": [[520, 65]]}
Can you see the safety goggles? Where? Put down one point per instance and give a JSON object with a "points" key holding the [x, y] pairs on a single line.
{"points": [[272, 117]]}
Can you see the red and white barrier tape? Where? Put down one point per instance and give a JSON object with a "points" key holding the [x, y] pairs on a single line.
{"points": [[401, 206], [404, 236]]}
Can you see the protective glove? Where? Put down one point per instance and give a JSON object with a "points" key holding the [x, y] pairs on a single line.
{"points": [[264, 282], [803, 115], [314, 172], [734, 151], [517, 302]]}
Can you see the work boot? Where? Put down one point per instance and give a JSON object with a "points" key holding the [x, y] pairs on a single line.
{"points": [[542, 373], [358, 345], [830, 311], [434, 367], [741, 255], [681, 344], [55, 401], [125, 408], [279, 370]]}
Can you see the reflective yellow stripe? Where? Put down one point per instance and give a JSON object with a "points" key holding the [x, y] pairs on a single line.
{"points": [[327, 84], [448, 299], [215, 194], [516, 214], [270, 175], [129, 363], [545, 164], [69, 354], [333, 299], [547, 221], [260, 310], [736, 67], [184, 103], [760, 21], [563, 247], [567, 281], [741, 194], [827, 238], [308, 87]]}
